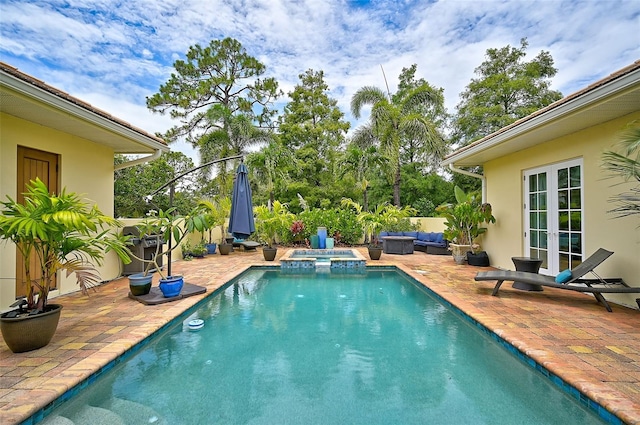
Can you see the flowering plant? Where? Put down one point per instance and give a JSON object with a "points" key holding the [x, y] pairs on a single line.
{"points": [[297, 227]]}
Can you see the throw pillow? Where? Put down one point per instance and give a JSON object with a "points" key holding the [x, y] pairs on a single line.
{"points": [[564, 276]]}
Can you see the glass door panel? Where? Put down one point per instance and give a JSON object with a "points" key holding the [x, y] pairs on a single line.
{"points": [[553, 215], [536, 232]]}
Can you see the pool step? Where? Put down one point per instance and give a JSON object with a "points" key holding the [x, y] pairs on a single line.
{"points": [[133, 414], [136, 413], [96, 416]]}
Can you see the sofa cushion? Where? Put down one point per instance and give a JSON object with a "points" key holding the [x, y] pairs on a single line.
{"points": [[439, 237], [411, 234], [422, 236], [384, 234], [394, 233]]}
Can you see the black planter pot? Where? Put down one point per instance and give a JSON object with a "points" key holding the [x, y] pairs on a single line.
{"points": [[269, 253], [375, 252], [225, 248], [27, 333]]}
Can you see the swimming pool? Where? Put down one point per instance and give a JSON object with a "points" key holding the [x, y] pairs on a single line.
{"points": [[325, 348]]}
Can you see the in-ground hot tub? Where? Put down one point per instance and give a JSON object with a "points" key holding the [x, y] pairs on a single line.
{"points": [[332, 258]]}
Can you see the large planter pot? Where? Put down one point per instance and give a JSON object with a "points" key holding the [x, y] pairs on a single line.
{"points": [[225, 248], [211, 248], [375, 252], [269, 253], [27, 333], [459, 252], [171, 286], [139, 284]]}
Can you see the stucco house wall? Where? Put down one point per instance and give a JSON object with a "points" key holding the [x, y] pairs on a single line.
{"points": [[85, 167], [85, 139], [573, 132], [505, 192]]}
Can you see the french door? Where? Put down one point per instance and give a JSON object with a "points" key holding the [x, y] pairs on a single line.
{"points": [[554, 216]]}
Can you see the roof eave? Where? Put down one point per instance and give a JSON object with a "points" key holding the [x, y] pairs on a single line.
{"points": [[104, 120]]}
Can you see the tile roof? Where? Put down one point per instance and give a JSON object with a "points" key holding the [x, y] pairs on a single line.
{"points": [[74, 100]]}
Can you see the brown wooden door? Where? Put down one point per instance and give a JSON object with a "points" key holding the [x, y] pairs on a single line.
{"points": [[33, 163]]}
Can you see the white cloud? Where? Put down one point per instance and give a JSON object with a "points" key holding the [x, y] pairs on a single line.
{"points": [[116, 56]]}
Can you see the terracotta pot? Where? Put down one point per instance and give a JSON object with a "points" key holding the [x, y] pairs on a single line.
{"points": [[27, 333]]}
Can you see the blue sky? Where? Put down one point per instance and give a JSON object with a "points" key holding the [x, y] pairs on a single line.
{"points": [[114, 53]]}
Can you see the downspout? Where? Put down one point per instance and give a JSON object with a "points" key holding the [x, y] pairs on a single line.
{"points": [[138, 161], [470, 174]]}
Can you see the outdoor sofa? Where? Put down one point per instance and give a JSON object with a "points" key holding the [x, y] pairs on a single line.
{"points": [[429, 242]]}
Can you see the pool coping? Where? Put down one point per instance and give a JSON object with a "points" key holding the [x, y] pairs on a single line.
{"points": [[288, 261]]}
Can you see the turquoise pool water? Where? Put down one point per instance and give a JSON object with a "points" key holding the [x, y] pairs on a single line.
{"points": [[324, 348]]}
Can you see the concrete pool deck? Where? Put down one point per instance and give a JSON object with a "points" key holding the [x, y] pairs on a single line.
{"points": [[568, 333]]}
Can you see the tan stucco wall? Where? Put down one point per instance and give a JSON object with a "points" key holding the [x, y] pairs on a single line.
{"points": [[505, 193], [429, 224], [85, 168]]}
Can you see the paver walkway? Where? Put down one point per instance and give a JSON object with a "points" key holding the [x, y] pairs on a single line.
{"points": [[569, 333]]}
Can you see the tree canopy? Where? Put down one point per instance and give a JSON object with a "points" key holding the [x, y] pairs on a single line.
{"points": [[507, 89], [132, 185], [223, 102], [306, 157]]}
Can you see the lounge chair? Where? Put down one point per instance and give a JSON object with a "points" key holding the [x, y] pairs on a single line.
{"points": [[597, 286], [247, 245]]}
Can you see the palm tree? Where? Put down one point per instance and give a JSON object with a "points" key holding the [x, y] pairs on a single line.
{"points": [[233, 134], [270, 166], [394, 122], [627, 166]]}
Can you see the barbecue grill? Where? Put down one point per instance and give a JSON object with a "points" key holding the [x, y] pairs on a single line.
{"points": [[142, 247]]}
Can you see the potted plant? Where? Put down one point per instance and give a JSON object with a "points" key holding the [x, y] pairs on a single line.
{"points": [[214, 215], [199, 250], [463, 223], [164, 225], [269, 223], [186, 248], [223, 211], [382, 217], [60, 233]]}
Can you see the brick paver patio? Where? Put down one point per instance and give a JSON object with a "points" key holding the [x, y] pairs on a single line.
{"points": [[568, 333]]}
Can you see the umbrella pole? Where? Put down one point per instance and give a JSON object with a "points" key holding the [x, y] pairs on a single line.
{"points": [[172, 190]]}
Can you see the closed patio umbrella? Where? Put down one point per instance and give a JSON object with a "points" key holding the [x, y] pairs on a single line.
{"points": [[241, 224]]}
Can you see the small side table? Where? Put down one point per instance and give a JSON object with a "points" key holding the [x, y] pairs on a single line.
{"points": [[526, 264]]}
